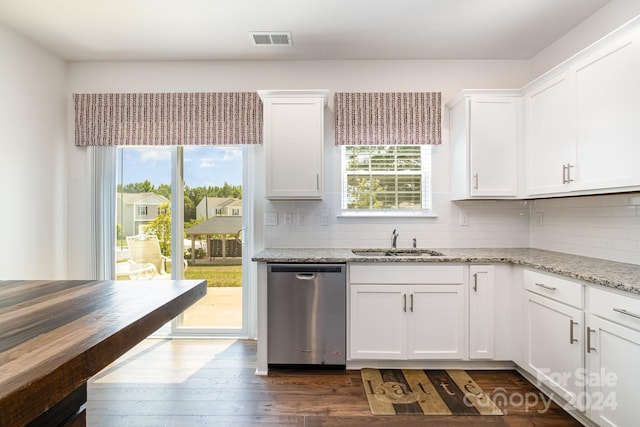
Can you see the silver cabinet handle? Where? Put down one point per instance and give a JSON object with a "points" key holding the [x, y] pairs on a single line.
{"points": [[589, 348], [566, 173], [475, 181], [475, 282], [411, 304], [571, 325], [404, 303], [628, 313], [543, 286], [569, 179], [317, 181]]}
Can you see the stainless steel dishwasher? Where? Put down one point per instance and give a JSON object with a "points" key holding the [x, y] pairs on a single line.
{"points": [[306, 312]]}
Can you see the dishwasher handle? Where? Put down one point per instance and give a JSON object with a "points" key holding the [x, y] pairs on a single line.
{"points": [[306, 276]]}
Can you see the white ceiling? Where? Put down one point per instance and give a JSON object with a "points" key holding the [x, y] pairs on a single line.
{"points": [[113, 30]]}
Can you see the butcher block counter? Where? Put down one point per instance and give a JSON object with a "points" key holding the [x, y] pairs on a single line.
{"points": [[55, 335]]}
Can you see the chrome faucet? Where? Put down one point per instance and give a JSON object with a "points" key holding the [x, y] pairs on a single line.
{"points": [[394, 239]]}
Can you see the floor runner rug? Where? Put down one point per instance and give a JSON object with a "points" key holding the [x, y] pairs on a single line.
{"points": [[425, 392]]}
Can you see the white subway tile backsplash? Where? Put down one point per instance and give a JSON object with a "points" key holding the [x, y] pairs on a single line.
{"points": [[605, 226], [598, 226]]}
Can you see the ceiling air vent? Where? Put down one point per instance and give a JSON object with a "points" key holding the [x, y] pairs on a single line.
{"points": [[266, 38]]}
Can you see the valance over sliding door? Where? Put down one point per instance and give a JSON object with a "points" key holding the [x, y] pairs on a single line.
{"points": [[395, 118], [225, 118]]}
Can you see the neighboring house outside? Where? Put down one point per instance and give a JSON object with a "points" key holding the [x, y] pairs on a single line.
{"points": [[136, 210], [218, 206]]}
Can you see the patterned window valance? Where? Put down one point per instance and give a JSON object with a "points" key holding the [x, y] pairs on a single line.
{"points": [[225, 118], [397, 118]]}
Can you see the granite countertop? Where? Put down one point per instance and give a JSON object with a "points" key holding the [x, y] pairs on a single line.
{"points": [[618, 275]]}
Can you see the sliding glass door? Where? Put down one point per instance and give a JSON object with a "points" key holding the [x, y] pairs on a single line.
{"points": [[206, 238]]}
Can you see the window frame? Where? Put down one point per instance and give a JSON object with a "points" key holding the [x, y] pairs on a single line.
{"points": [[426, 195]]}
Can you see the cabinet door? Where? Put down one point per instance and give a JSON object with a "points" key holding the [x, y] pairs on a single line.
{"points": [[550, 134], [554, 346], [481, 312], [293, 139], [436, 322], [378, 322], [493, 140], [607, 112], [613, 375]]}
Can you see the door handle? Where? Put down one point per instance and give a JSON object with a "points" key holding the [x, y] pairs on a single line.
{"points": [[475, 282], [589, 348], [571, 325], [305, 276], [404, 302], [411, 304]]}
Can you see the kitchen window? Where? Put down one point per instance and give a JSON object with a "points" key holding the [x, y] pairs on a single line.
{"points": [[386, 179]]}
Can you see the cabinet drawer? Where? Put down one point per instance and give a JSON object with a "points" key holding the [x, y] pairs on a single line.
{"points": [[621, 309], [403, 273], [556, 288]]}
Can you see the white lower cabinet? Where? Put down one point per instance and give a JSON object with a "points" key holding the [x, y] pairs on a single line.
{"points": [[378, 319], [481, 312], [396, 322], [435, 322], [391, 317], [554, 346], [613, 353], [554, 323]]}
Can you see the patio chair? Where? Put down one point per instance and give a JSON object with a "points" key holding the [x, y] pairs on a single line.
{"points": [[145, 248]]}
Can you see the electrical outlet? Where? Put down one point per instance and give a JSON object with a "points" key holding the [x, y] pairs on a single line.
{"points": [[288, 218], [301, 218], [464, 218]]}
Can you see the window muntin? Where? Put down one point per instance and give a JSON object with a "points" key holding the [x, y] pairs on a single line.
{"points": [[386, 178]]}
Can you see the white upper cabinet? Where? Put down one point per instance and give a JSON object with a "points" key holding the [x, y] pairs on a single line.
{"points": [[607, 94], [294, 143], [550, 138], [484, 145], [581, 122]]}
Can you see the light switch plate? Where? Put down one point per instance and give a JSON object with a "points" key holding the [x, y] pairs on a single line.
{"points": [[539, 219], [324, 218]]}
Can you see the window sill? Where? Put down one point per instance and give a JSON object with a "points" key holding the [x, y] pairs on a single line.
{"points": [[387, 214]]}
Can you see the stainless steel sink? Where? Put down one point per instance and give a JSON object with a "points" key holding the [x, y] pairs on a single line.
{"points": [[396, 252]]}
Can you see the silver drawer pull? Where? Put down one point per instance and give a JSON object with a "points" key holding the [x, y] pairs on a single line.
{"points": [[628, 313], [543, 286]]}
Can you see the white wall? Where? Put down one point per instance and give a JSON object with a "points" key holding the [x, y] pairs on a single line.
{"points": [[32, 164]]}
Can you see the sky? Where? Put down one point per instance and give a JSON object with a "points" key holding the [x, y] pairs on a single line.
{"points": [[203, 166]]}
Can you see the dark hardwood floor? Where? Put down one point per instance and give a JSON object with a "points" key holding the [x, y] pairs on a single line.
{"points": [[186, 383]]}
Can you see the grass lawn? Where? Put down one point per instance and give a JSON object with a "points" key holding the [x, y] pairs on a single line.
{"points": [[216, 275]]}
